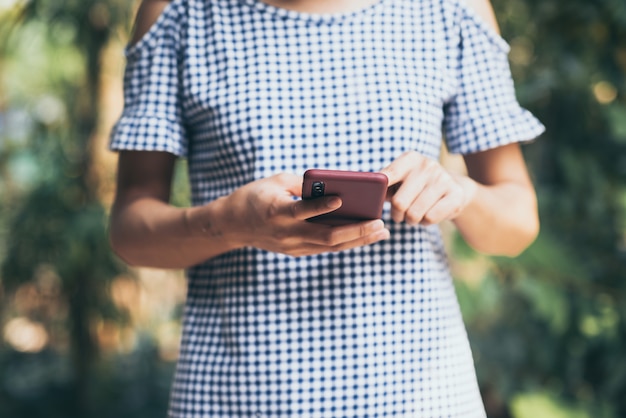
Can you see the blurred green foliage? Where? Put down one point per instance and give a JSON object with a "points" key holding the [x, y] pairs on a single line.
{"points": [[53, 222], [547, 329], [553, 320]]}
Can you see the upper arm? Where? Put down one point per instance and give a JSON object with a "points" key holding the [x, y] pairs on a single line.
{"points": [[484, 9], [503, 164], [144, 174], [148, 13]]}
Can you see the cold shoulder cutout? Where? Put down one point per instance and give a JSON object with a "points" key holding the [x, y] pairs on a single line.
{"points": [[147, 15]]}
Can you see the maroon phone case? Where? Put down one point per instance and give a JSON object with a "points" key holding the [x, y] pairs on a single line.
{"points": [[362, 194]]}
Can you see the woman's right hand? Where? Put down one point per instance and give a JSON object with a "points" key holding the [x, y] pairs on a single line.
{"points": [[264, 214]]}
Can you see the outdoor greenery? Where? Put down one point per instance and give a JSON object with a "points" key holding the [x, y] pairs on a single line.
{"points": [[553, 320], [82, 336]]}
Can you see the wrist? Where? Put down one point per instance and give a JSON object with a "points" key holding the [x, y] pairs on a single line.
{"points": [[210, 222]]}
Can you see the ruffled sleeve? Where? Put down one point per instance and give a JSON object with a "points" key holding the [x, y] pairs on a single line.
{"points": [[483, 113], [152, 115]]}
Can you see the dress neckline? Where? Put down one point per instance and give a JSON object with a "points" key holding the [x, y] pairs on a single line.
{"points": [[314, 17]]}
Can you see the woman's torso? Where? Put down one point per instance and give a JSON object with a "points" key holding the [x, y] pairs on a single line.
{"points": [[374, 331]]}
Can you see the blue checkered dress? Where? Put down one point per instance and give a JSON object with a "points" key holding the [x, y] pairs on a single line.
{"points": [[245, 90]]}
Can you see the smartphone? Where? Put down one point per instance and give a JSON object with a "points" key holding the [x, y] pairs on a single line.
{"points": [[362, 193]]}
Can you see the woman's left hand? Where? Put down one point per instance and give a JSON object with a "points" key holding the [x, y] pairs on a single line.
{"points": [[421, 191]]}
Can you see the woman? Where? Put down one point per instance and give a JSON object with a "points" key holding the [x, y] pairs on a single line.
{"points": [[290, 318]]}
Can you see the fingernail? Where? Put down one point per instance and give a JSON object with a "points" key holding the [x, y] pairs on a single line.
{"points": [[384, 235], [376, 225]]}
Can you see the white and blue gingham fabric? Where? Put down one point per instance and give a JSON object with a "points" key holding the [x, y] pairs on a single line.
{"points": [[245, 90]]}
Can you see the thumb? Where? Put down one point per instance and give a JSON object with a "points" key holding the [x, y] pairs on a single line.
{"points": [[304, 209]]}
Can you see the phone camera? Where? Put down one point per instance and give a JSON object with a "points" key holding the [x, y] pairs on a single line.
{"points": [[317, 189]]}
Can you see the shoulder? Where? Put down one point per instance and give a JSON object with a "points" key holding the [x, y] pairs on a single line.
{"points": [[478, 9], [484, 10], [472, 21], [160, 19], [148, 13]]}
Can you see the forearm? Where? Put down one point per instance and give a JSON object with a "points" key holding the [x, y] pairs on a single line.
{"points": [[151, 233], [500, 219]]}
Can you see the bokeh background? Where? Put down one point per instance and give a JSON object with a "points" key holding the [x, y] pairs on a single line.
{"points": [[82, 335]]}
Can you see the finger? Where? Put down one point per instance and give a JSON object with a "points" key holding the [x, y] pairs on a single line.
{"points": [[423, 203], [372, 238], [446, 208], [304, 209], [429, 174], [311, 249], [405, 195], [337, 235], [401, 166]]}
